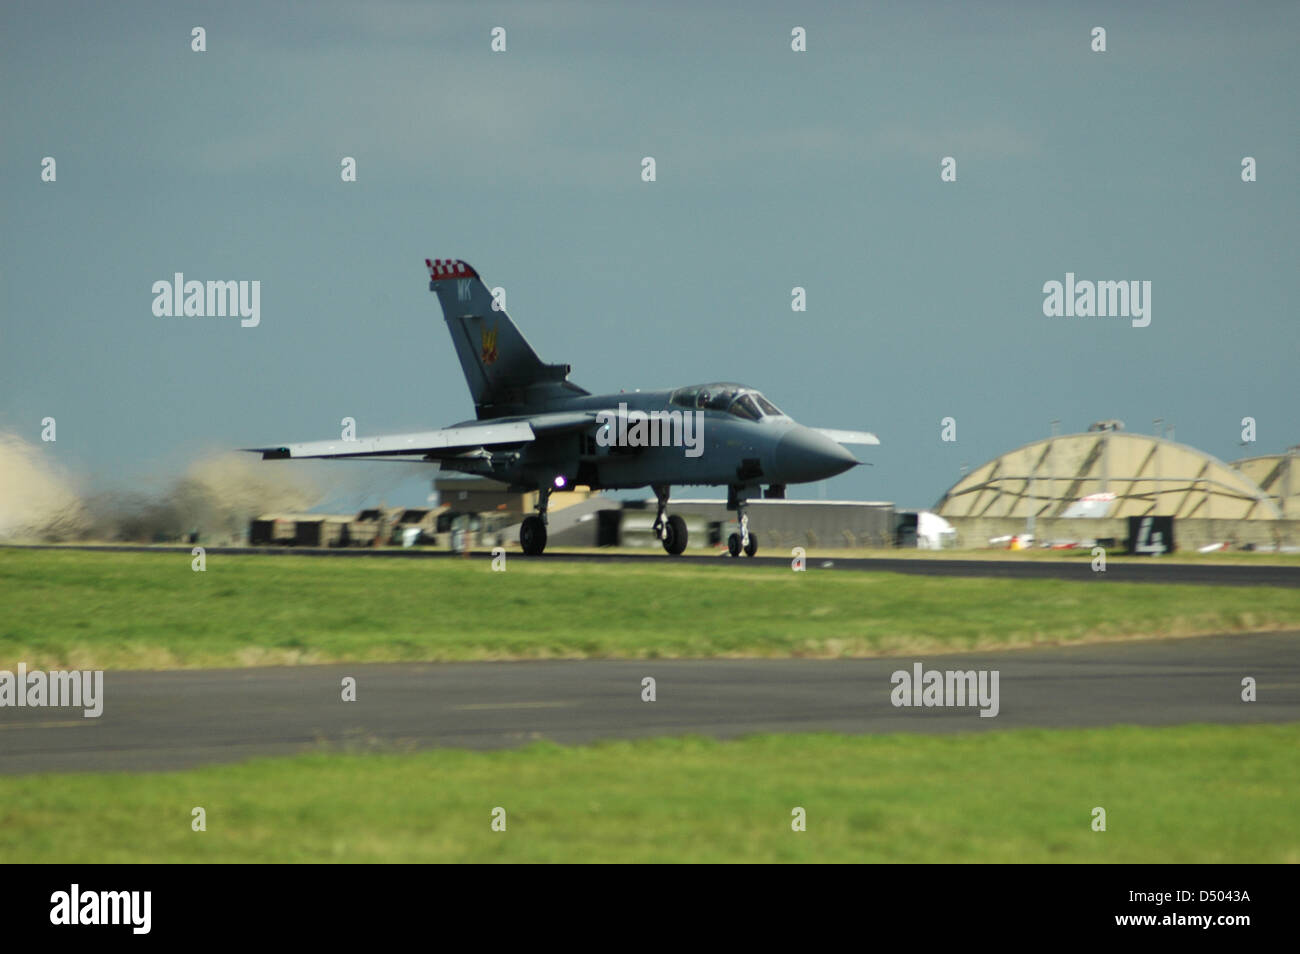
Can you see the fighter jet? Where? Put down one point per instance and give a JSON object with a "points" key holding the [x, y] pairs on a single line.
{"points": [[536, 430]]}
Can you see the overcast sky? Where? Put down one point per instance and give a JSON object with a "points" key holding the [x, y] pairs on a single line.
{"points": [[775, 169]]}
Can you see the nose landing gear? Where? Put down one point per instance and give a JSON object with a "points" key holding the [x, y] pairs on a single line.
{"points": [[743, 541], [735, 547]]}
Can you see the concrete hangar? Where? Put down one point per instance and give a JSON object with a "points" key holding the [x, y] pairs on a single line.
{"points": [[1102, 484]]}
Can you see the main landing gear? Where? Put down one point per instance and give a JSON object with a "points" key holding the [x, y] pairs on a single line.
{"points": [[671, 531], [532, 532]]}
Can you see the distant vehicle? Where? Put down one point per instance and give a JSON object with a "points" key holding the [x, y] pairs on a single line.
{"points": [[536, 430], [933, 532], [1093, 505]]}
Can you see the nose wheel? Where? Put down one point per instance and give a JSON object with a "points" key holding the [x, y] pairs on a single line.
{"points": [[735, 547], [744, 541]]}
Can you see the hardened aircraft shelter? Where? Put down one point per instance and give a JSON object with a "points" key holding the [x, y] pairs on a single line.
{"points": [[1086, 486]]}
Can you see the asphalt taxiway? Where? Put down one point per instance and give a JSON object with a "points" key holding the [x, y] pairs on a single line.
{"points": [[176, 719]]}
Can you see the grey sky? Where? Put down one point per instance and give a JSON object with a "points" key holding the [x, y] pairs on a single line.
{"points": [[775, 169]]}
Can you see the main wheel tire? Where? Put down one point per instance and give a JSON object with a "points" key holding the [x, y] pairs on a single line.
{"points": [[752, 546], [733, 544], [532, 536], [675, 542]]}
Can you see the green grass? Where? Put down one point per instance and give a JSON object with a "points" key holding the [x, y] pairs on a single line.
{"points": [[126, 610], [1184, 794]]}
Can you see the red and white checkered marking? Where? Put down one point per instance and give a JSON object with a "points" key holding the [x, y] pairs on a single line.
{"points": [[448, 268]]}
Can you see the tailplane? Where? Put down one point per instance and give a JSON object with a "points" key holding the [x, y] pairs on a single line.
{"points": [[503, 372]]}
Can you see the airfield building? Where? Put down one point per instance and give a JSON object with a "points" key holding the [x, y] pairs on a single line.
{"points": [[1278, 475], [1086, 487]]}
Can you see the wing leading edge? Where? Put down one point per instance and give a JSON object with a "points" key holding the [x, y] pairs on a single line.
{"points": [[440, 444], [419, 445]]}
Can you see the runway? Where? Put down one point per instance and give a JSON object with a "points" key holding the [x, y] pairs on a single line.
{"points": [[168, 720], [1152, 570]]}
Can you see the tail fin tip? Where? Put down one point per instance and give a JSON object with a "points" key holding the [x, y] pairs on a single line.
{"points": [[442, 269]]}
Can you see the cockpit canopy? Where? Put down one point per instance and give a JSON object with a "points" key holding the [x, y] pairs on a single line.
{"points": [[733, 398]]}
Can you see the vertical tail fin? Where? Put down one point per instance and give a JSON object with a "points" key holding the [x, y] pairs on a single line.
{"points": [[503, 372]]}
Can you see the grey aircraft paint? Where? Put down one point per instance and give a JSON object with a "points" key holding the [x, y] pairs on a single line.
{"points": [[536, 430]]}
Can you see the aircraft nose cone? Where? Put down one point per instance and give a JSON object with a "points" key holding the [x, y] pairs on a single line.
{"points": [[804, 455]]}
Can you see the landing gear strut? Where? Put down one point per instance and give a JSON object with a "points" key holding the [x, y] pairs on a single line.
{"points": [[532, 532], [743, 541], [671, 531]]}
